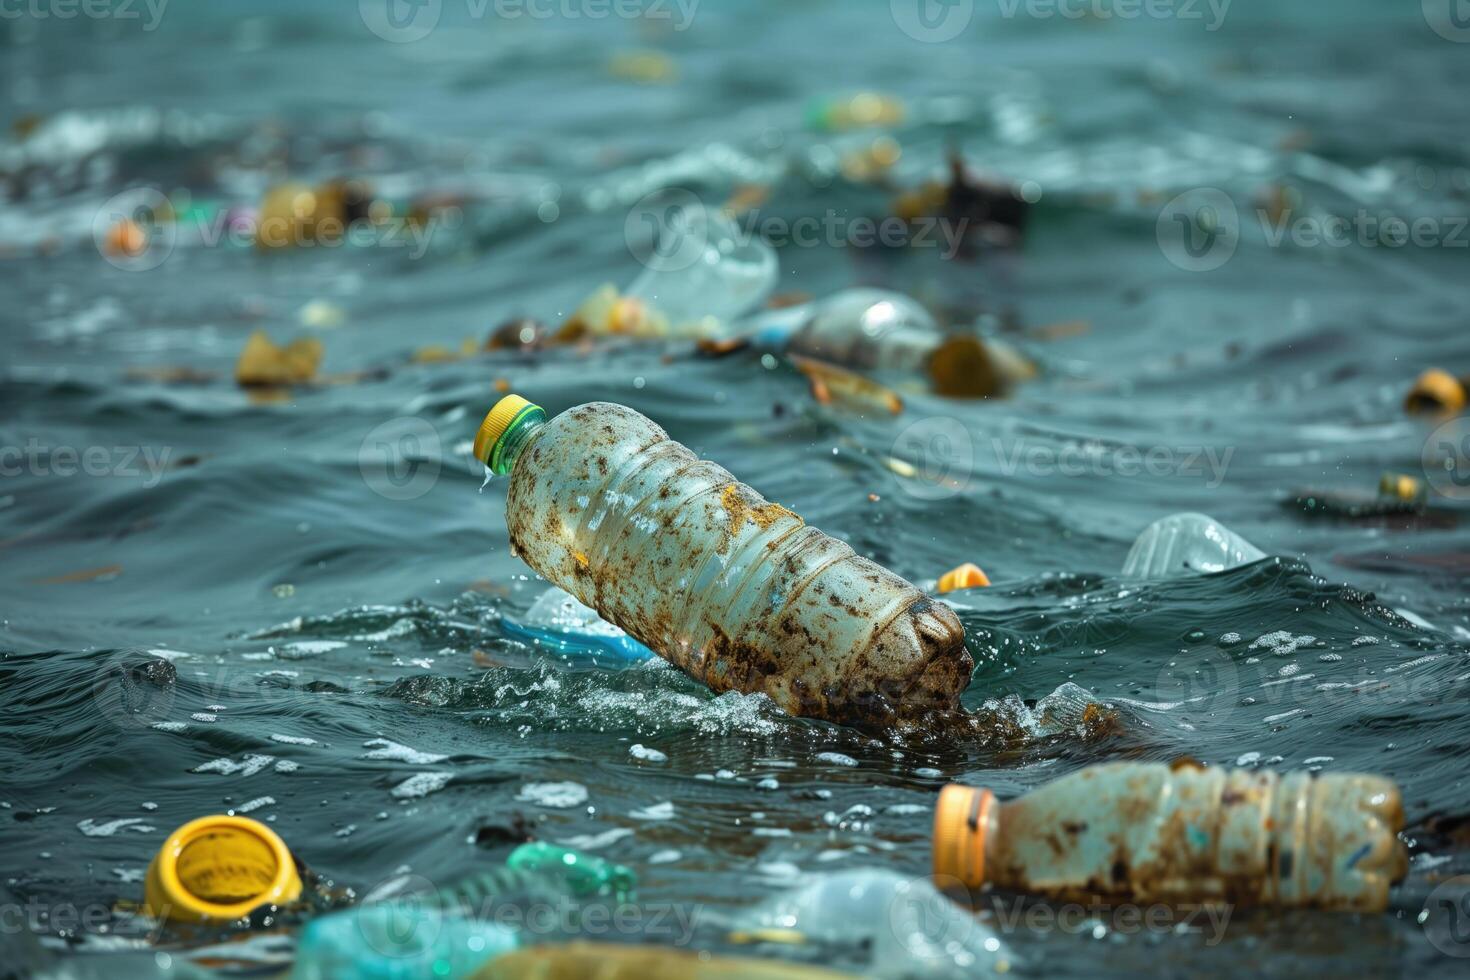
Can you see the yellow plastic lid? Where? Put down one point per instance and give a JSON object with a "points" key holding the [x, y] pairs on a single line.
{"points": [[218, 869], [498, 422]]}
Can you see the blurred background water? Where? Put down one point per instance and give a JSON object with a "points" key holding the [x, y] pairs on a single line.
{"points": [[332, 607]]}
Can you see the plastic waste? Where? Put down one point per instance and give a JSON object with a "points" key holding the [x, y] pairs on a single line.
{"points": [[218, 869], [1435, 392], [908, 927], [1187, 544], [1185, 833], [610, 961], [881, 330], [557, 621], [585, 875], [1403, 487], [966, 576], [704, 273], [734, 590], [262, 362], [401, 939]]}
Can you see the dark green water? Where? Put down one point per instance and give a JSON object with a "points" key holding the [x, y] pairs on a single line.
{"points": [[302, 590]]}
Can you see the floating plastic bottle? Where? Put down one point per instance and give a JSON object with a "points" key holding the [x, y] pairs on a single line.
{"points": [[610, 961], [400, 939], [558, 622], [1182, 833], [881, 330], [585, 875], [734, 590], [908, 928], [1187, 544]]}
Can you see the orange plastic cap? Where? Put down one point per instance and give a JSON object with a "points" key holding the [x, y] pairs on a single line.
{"points": [[967, 576], [961, 821], [1435, 392]]}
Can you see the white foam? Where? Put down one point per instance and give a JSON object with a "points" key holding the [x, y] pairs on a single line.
{"points": [[293, 740], [647, 754], [94, 829], [556, 796], [836, 759], [382, 748], [422, 784], [658, 811], [249, 806], [248, 766]]}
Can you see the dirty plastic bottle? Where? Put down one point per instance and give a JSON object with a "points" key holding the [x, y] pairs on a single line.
{"points": [[1184, 833], [558, 622], [400, 939], [907, 927], [585, 875], [734, 590], [880, 330], [704, 273], [612, 961], [1187, 544]]}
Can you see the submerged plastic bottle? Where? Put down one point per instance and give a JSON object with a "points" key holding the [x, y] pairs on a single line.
{"points": [[585, 875], [880, 330], [557, 621], [1155, 832], [1187, 544], [734, 590]]}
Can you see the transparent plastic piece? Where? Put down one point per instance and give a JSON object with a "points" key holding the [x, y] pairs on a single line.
{"points": [[705, 272], [1187, 544], [734, 590]]}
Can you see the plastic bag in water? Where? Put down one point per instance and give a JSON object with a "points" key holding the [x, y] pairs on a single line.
{"points": [[1187, 544], [911, 928], [559, 622]]}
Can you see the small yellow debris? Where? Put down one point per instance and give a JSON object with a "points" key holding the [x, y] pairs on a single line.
{"points": [[125, 238], [967, 576], [264, 363], [1437, 393], [644, 67], [434, 354], [581, 559]]}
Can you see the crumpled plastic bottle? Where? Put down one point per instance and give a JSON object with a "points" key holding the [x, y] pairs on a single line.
{"points": [[910, 928], [557, 621], [1187, 544]]}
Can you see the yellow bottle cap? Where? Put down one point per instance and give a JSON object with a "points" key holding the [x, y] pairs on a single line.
{"points": [[218, 869], [961, 821], [498, 422], [1435, 392]]}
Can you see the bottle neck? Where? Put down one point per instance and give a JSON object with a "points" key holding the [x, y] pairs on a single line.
{"points": [[509, 447]]}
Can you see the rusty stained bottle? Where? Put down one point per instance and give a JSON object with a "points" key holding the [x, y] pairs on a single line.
{"points": [[1152, 832], [732, 589]]}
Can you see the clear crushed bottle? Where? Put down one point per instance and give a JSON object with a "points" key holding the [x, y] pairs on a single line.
{"points": [[1181, 833], [734, 590], [1187, 544]]}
